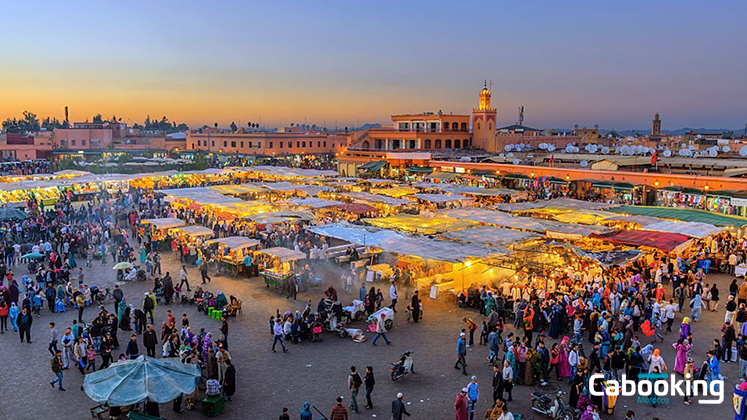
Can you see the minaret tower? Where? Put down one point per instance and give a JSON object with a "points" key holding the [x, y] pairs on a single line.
{"points": [[483, 122]]}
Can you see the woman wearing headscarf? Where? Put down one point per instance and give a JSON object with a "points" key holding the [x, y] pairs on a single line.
{"points": [[647, 352], [124, 320], [685, 329], [13, 315], [657, 362], [415, 306], [207, 342], [682, 346], [697, 305], [371, 303], [564, 368]]}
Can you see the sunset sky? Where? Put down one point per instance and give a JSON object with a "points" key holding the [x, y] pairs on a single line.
{"points": [[568, 62]]}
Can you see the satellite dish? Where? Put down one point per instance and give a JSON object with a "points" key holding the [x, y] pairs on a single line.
{"points": [[550, 147], [667, 153], [684, 145], [651, 150], [683, 152], [543, 146], [584, 163], [726, 149], [712, 153], [698, 136], [605, 150], [743, 151], [465, 159], [691, 147], [517, 161], [510, 155], [508, 147]]}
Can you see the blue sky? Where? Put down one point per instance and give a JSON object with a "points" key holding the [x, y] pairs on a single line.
{"points": [[575, 62]]}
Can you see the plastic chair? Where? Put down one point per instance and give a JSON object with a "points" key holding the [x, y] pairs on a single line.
{"points": [[706, 266]]}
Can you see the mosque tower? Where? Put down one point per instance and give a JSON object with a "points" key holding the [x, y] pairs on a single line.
{"points": [[483, 122]]}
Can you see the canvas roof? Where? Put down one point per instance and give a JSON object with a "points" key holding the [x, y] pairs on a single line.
{"points": [[491, 235], [420, 224], [440, 198], [694, 229], [284, 254], [683, 214], [235, 242], [196, 230], [661, 240], [395, 242], [164, 223]]}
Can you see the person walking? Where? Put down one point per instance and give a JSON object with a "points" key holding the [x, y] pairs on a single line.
{"points": [[369, 382], [204, 272], [149, 305], [381, 330], [25, 319], [354, 385], [473, 395], [132, 350], [183, 278], [461, 354], [393, 296], [81, 304], [56, 363], [339, 412], [52, 339], [4, 310], [398, 408], [229, 380], [118, 295], [460, 405], [278, 336]]}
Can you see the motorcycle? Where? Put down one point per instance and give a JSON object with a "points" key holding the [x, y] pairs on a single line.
{"points": [[554, 408], [98, 296], [402, 367]]}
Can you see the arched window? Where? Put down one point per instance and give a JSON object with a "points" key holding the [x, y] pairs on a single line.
{"points": [[479, 126], [438, 143], [366, 145], [457, 144], [490, 126], [465, 143], [464, 126], [448, 144], [427, 143], [446, 126]]}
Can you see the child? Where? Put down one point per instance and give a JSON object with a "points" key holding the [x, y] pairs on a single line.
{"points": [[408, 312], [484, 333], [91, 355], [272, 325]]}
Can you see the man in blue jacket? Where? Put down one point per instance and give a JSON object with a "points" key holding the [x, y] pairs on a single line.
{"points": [[461, 354]]}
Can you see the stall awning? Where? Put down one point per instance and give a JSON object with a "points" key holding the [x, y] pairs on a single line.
{"points": [[419, 170], [491, 235], [660, 240], [420, 224], [685, 215], [235, 242], [623, 186], [195, 230], [357, 208], [164, 223], [373, 166], [283, 254], [694, 229]]}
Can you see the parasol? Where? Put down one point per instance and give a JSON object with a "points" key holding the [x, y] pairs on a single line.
{"points": [[144, 378], [122, 266], [33, 256]]}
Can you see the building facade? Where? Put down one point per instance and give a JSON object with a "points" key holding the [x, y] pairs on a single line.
{"points": [[286, 141]]}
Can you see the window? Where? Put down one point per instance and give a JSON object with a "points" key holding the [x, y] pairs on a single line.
{"points": [[82, 142], [242, 144], [213, 141], [319, 144], [303, 144], [478, 126], [281, 144], [465, 143], [72, 142], [198, 142], [233, 143], [457, 144], [225, 143], [250, 145], [438, 143], [270, 145], [448, 144], [427, 143], [446, 126], [325, 143], [298, 144], [259, 145], [464, 126], [490, 126]]}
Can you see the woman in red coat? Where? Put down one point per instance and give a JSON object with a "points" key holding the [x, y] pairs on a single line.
{"points": [[460, 405]]}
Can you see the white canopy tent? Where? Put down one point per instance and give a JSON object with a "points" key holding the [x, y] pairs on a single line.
{"points": [[441, 198], [398, 243], [491, 235], [164, 223], [694, 229], [236, 242], [283, 254], [314, 203]]}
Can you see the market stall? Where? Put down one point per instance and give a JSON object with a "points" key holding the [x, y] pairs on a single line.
{"points": [[231, 252], [664, 241], [193, 235], [278, 266], [157, 229]]}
